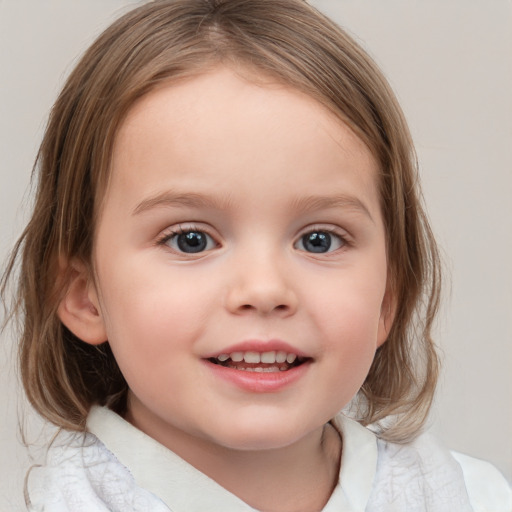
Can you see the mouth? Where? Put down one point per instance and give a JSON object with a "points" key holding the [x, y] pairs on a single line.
{"points": [[260, 362]]}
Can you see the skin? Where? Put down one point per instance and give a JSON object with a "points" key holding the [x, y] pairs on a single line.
{"points": [[267, 162]]}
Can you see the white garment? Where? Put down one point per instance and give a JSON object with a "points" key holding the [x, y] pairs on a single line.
{"points": [[117, 468]]}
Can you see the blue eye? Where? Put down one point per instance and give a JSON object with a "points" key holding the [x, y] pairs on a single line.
{"points": [[189, 241], [320, 242]]}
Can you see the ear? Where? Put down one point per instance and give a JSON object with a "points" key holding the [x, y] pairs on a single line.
{"points": [[387, 314], [79, 308]]}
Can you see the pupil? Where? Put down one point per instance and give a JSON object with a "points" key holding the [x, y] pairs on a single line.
{"points": [[317, 242], [192, 242]]}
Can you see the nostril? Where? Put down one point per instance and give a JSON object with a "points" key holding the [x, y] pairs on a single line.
{"points": [[261, 299], [269, 309]]}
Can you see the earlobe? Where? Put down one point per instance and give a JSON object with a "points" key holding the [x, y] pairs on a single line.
{"points": [[79, 307]]}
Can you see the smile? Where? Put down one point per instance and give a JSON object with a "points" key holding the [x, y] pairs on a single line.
{"points": [[262, 362]]}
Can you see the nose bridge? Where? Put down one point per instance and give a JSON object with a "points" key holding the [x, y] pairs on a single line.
{"points": [[260, 281]]}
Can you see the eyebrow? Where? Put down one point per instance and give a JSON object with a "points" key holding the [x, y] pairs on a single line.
{"points": [[190, 199], [195, 200], [313, 203]]}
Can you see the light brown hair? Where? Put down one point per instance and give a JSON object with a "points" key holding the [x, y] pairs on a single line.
{"points": [[168, 40]]}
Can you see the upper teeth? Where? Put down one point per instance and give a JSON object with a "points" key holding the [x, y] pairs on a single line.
{"points": [[273, 356]]}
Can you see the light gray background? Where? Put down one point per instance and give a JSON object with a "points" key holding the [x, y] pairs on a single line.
{"points": [[450, 63]]}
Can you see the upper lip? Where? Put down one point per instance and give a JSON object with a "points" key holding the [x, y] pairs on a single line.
{"points": [[259, 346]]}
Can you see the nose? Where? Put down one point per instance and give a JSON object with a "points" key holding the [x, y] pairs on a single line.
{"points": [[261, 284]]}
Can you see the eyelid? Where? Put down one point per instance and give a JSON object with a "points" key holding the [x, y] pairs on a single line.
{"points": [[327, 228], [337, 231], [183, 228]]}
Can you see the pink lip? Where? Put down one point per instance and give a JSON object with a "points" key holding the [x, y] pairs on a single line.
{"points": [[259, 346], [259, 382], [255, 382]]}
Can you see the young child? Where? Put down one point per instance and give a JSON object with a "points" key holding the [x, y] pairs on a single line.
{"points": [[227, 249]]}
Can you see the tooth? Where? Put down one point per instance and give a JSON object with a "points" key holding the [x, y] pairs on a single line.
{"points": [[252, 357], [290, 358], [237, 357], [281, 357], [223, 357], [261, 369], [268, 357]]}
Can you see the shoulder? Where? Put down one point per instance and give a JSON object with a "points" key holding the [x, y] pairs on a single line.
{"points": [[80, 475], [446, 481]]}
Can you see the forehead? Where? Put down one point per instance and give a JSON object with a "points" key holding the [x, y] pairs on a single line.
{"points": [[216, 128]]}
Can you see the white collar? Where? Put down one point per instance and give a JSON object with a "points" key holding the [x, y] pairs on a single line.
{"points": [[183, 488]]}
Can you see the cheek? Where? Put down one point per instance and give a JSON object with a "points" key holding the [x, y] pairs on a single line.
{"points": [[348, 318], [350, 306], [351, 342], [149, 317], [152, 341]]}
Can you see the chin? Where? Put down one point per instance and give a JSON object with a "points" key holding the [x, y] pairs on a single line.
{"points": [[260, 437]]}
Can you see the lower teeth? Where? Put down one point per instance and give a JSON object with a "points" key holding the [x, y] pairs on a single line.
{"points": [[260, 369], [241, 366]]}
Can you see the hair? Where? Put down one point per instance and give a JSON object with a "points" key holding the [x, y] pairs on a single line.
{"points": [[170, 40]]}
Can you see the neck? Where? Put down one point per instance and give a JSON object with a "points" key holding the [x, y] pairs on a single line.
{"points": [[295, 478], [299, 477]]}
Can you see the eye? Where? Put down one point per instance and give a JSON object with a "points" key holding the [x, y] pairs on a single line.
{"points": [[320, 242], [189, 241]]}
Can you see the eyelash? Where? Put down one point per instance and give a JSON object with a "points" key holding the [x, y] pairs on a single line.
{"points": [[169, 235], [343, 239]]}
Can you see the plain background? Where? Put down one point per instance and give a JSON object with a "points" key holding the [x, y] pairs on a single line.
{"points": [[450, 63]]}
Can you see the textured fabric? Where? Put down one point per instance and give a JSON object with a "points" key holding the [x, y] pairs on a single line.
{"points": [[420, 477], [131, 472], [81, 475]]}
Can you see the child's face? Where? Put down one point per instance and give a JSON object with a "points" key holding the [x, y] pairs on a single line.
{"points": [[240, 219]]}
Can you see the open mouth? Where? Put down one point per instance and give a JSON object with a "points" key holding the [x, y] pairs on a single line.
{"points": [[273, 361]]}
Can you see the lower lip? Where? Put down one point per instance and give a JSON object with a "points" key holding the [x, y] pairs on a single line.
{"points": [[259, 382]]}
